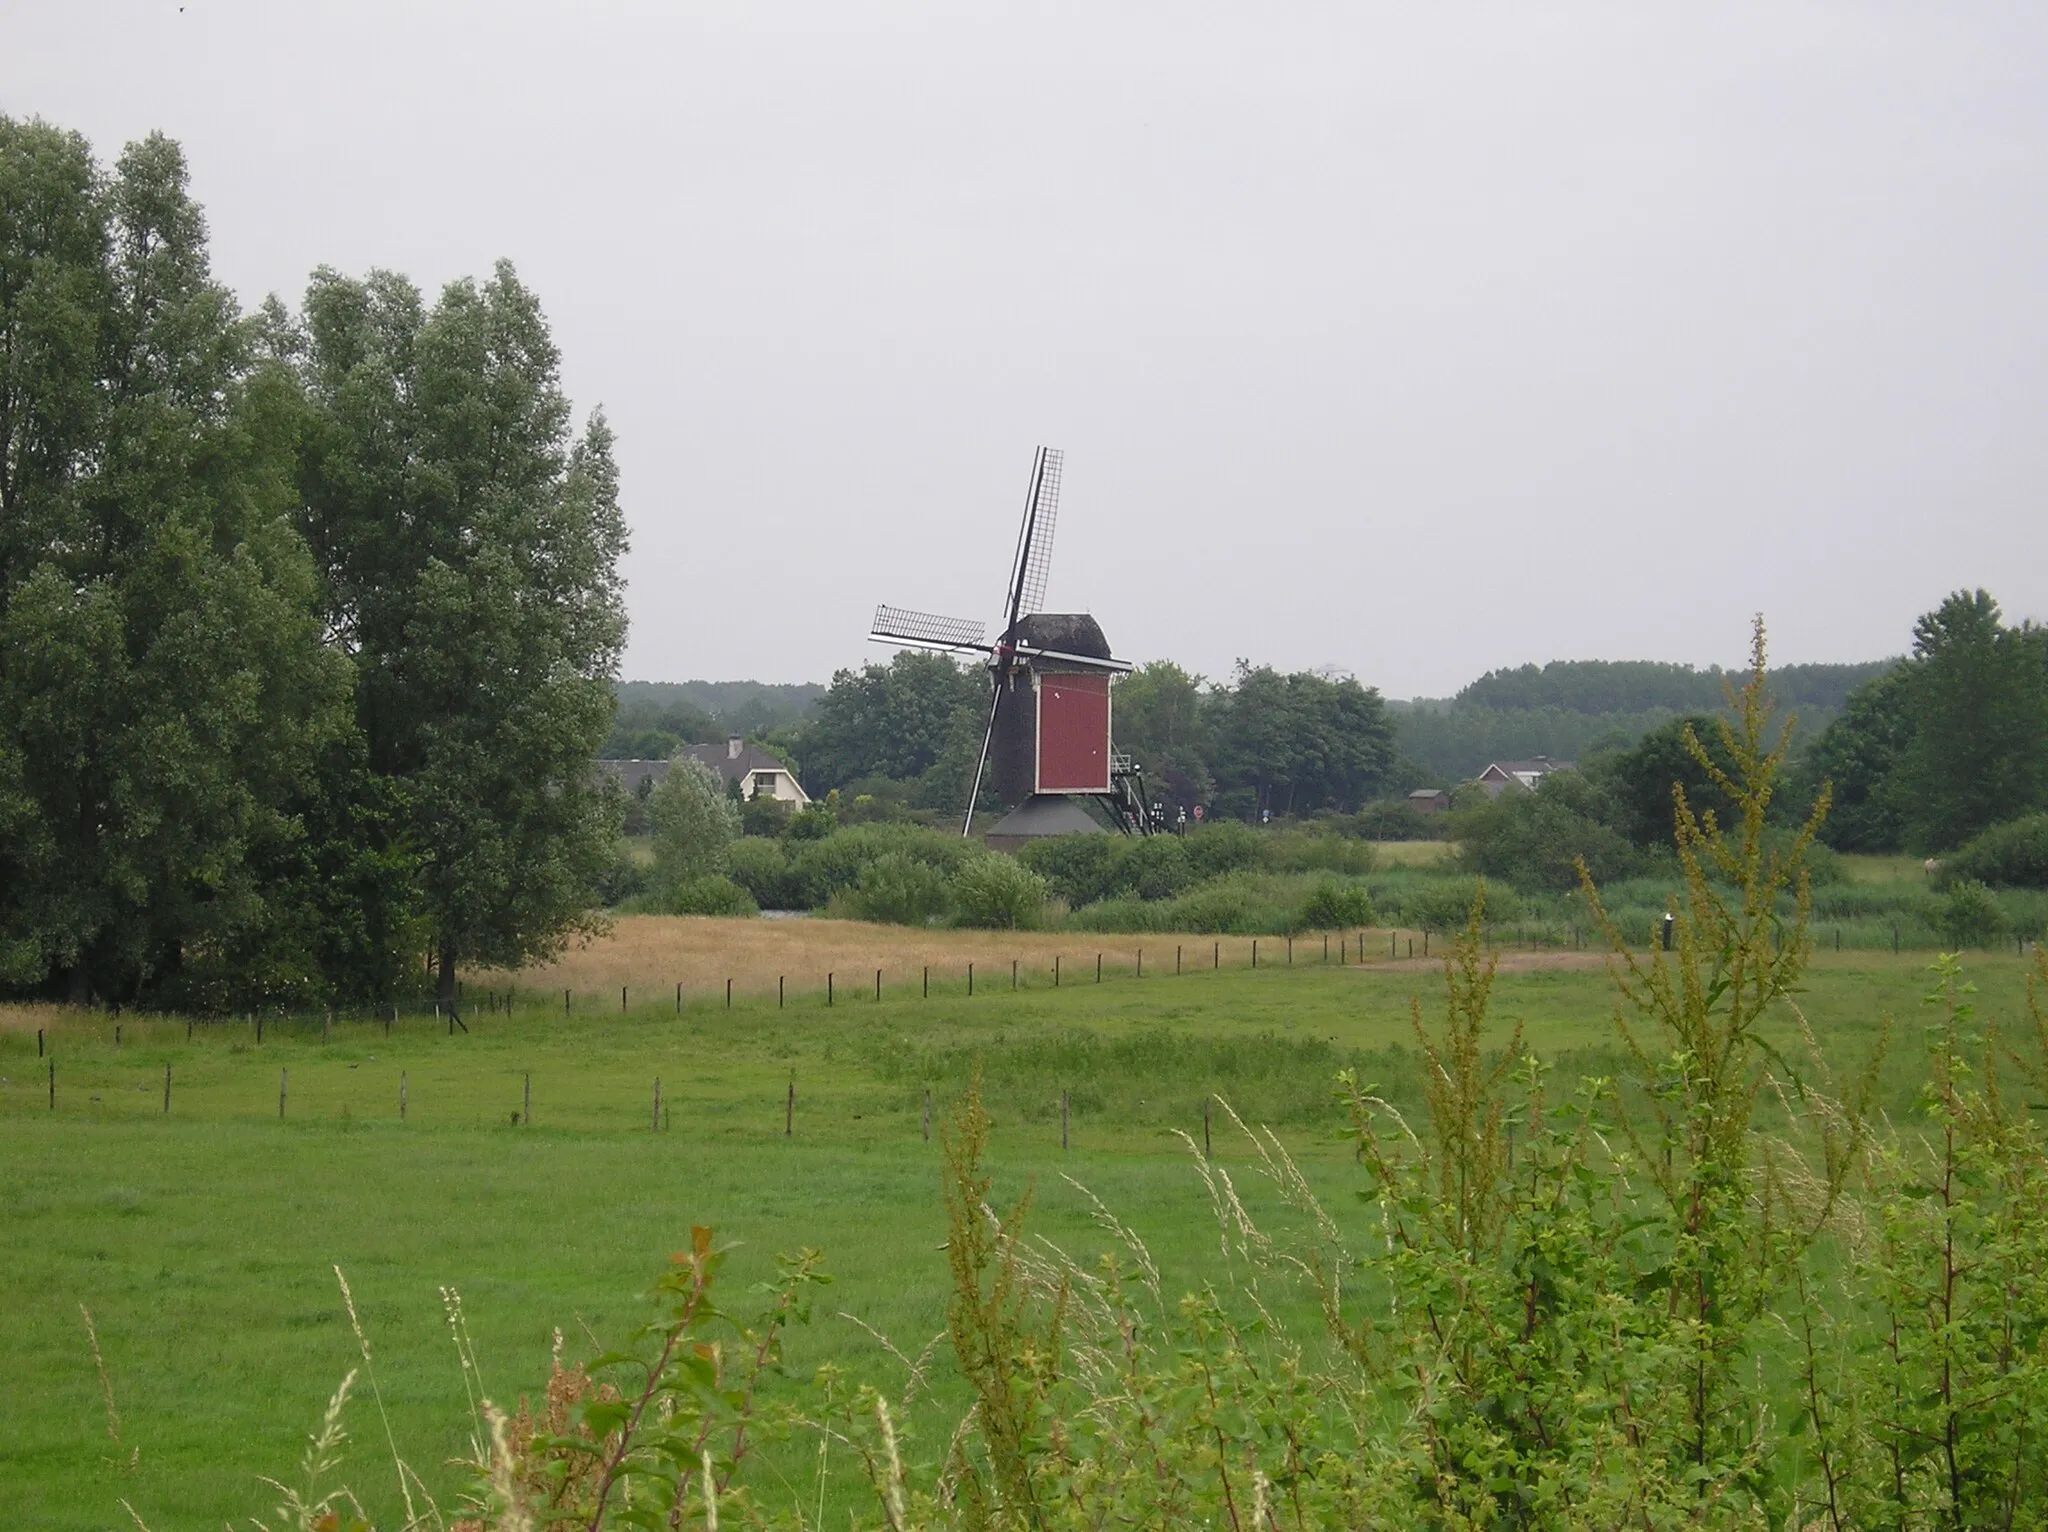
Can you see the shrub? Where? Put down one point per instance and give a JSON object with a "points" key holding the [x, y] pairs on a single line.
{"points": [[1970, 915], [896, 890], [1331, 904], [821, 868], [1228, 906], [1222, 846], [712, 894], [2011, 855], [694, 823], [1535, 840], [762, 868], [1150, 866], [1446, 905], [1315, 848], [1075, 867], [997, 893]]}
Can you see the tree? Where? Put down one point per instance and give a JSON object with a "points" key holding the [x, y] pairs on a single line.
{"points": [[163, 684], [1978, 699], [1294, 744], [1859, 755], [1160, 721], [1535, 840], [1637, 783], [693, 822], [469, 550], [900, 720]]}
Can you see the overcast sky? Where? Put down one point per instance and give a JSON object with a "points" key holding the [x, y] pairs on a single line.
{"points": [[1414, 340]]}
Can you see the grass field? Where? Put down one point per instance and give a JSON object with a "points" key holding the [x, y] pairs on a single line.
{"points": [[203, 1240]]}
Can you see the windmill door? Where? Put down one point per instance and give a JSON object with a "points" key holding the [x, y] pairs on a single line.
{"points": [[1073, 733]]}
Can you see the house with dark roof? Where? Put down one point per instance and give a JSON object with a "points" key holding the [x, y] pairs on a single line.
{"points": [[1429, 800], [758, 773], [1521, 775]]}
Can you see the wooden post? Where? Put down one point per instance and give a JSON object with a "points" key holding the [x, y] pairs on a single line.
{"points": [[526, 1107], [778, 992], [970, 981], [1425, 946], [1141, 962], [1098, 968], [828, 989], [565, 1002], [728, 994], [1055, 972], [1411, 945], [1205, 1126], [927, 1116], [1013, 973], [1255, 952], [39, 1042], [927, 981], [117, 1034], [1393, 943], [1216, 955], [1326, 946], [622, 999], [789, 1110], [401, 1095], [654, 1122], [878, 984], [167, 1090], [1290, 952], [53, 1085], [679, 999], [1063, 1122], [281, 1079]]}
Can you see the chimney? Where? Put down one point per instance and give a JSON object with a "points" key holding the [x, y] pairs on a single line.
{"points": [[732, 747]]}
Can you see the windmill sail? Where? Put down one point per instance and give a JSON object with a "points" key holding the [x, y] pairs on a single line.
{"points": [[925, 630], [1034, 539]]}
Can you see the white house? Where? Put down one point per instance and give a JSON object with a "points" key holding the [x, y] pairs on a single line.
{"points": [[1502, 775], [759, 774]]}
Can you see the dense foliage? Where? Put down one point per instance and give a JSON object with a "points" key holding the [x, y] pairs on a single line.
{"points": [[307, 622]]}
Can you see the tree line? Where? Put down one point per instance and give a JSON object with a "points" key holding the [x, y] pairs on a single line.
{"points": [[308, 617], [1298, 743]]}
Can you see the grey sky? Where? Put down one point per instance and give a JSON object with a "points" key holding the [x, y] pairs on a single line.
{"points": [[1411, 339]]}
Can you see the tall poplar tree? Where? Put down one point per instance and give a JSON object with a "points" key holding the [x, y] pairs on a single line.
{"points": [[162, 676], [470, 551]]}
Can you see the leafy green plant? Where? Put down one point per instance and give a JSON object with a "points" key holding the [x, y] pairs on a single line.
{"points": [[995, 893], [1970, 915], [2011, 855], [896, 890], [712, 894], [1331, 905]]}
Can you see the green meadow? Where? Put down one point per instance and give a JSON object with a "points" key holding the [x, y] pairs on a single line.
{"points": [[203, 1239]]}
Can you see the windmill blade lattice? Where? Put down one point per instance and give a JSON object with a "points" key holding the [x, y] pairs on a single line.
{"points": [[1039, 521], [927, 629]]}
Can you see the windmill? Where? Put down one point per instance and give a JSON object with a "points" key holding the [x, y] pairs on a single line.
{"points": [[1048, 733]]}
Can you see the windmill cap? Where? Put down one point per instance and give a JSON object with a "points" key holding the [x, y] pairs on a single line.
{"points": [[1066, 632]]}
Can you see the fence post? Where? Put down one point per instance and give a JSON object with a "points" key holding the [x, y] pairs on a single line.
{"points": [[167, 1090], [778, 992], [970, 981], [927, 981], [1290, 952], [679, 999], [1255, 952], [1216, 955], [828, 989], [39, 1042], [622, 999], [53, 1085], [188, 1029], [789, 1110], [1176, 961], [1098, 968], [401, 1095], [1141, 962], [1326, 946], [1013, 973], [1055, 972], [281, 1078], [565, 1002], [654, 1122], [117, 1034], [728, 994]]}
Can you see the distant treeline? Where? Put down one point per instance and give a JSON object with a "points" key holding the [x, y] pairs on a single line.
{"points": [[655, 718]]}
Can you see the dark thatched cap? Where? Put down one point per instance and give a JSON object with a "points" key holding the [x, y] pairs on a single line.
{"points": [[1067, 632]]}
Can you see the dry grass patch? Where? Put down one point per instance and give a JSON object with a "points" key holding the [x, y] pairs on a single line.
{"points": [[28, 1018], [653, 953], [1412, 853]]}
